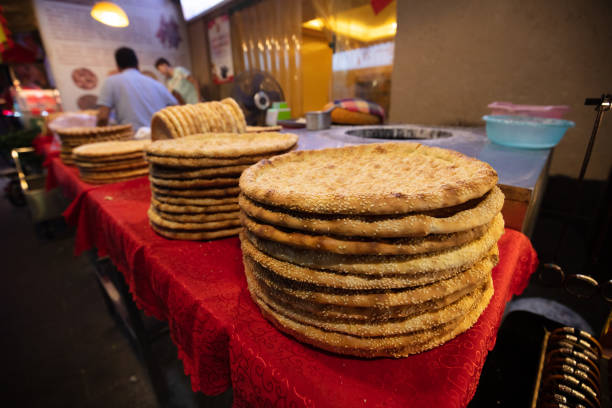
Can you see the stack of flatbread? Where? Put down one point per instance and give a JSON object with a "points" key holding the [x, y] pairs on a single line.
{"points": [[208, 117], [371, 250], [73, 137], [194, 181], [111, 162]]}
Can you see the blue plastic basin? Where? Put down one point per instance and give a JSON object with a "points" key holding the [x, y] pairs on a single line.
{"points": [[525, 131]]}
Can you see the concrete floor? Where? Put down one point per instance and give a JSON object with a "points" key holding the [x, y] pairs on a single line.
{"points": [[60, 348]]}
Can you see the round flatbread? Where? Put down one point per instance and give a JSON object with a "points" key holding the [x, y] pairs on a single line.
{"points": [[195, 201], [260, 129], [194, 183], [331, 279], [214, 121], [130, 173], [370, 315], [162, 172], [195, 235], [200, 126], [379, 178], [470, 278], [196, 193], [223, 145], [410, 324], [185, 118], [388, 246], [472, 214], [390, 265], [192, 209], [238, 114], [191, 226], [110, 149], [161, 128], [176, 123], [111, 167], [204, 163], [196, 218], [394, 346], [99, 164]]}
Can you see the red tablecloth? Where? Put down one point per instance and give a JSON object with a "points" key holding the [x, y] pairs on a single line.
{"points": [[46, 145], [199, 288], [66, 178]]}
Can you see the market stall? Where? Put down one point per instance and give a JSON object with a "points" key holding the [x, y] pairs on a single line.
{"points": [[200, 290]]}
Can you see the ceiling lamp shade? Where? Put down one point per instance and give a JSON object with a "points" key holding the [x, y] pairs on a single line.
{"points": [[110, 14]]}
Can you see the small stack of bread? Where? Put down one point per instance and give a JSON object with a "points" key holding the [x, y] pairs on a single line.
{"points": [[194, 181], [378, 250], [73, 137], [111, 162], [179, 121]]}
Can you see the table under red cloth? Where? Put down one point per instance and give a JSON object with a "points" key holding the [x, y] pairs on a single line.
{"points": [[46, 146], [66, 178], [200, 290]]}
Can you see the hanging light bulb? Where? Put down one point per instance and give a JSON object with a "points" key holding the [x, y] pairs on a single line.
{"points": [[110, 14]]}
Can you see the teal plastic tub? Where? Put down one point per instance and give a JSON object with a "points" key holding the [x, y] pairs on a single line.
{"points": [[526, 132]]}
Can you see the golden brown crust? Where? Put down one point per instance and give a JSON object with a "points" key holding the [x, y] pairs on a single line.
{"points": [[102, 164], [203, 163], [238, 114], [192, 209], [190, 173], [259, 129], [355, 246], [194, 183], [348, 281], [110, 168], [380, 178], [110, 149], [470, 278], [195, 218], [363, 314], [223, 145], [196, 194], [155, 218], [195, 235], [194, 201], [388, 227], [410, 324], [128, 173], [161, 129], [394, 346], [377, 265]]}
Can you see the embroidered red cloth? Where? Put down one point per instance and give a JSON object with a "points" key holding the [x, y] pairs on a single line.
{"points": [[271, 369], [199, 288]]}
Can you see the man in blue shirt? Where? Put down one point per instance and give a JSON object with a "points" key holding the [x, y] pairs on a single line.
{"points": [[133, 96]]}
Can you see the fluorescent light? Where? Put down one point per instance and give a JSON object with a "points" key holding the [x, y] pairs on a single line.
{"points": [[194, 8], [110, 14]]}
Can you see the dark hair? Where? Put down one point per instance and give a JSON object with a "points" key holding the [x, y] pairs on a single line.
{"points": [[126, 58], [161, 61]]}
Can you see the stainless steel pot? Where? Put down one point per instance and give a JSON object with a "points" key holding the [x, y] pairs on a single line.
{"points": [[318, 120]]}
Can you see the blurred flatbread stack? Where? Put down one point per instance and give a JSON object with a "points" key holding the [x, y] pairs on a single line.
{"points": [[194, 181], [73, 137], [378, 250], [175, 122], [111, 162]]}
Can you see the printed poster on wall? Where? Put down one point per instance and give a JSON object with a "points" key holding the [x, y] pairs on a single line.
{"points": [[222, 65], [81, 50]]}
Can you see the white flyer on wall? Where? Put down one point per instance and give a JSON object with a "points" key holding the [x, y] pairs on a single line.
{"points": [[222, 65]]}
